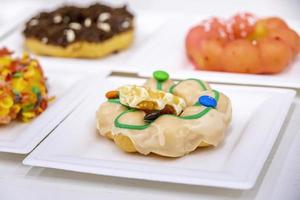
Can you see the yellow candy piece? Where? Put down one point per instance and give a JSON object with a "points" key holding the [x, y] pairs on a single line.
{"points": [[25, 57], [5, 72], [28, 115], [6, 102], [4, 111], [5, 61], [16, 108], [29, 74], [19, 84]]}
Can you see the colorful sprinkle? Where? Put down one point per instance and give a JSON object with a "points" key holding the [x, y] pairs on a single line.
{"points": [[36, 90], [17, 75]]}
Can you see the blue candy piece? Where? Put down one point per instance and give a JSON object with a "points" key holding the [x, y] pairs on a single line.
{"points": [[207, 101]]}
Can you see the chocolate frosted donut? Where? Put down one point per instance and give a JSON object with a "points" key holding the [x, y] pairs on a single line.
{"points": [[71, 31]]}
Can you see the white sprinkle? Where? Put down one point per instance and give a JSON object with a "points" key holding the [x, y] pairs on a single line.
{"points": [[231, 22], [75, 26], [254, 42], [243, 33], [251, 20], [70, 34], [125, 24], [207, 25], [104, 16], [44, 40], [57, 19], [228, 28], [104, 26], [222, 33], [87, 22], [33, 22], [242, 26]]}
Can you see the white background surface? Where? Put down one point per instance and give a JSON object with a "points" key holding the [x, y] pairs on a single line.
{"points": [[280, 178]]}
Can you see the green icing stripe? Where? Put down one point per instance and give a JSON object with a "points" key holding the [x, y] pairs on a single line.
{"points": [[198, 115], [128, 126], [217, 95], [117, 101], [142, 127], [203, 112], [159, 85], [193, 79], [172, 88]]}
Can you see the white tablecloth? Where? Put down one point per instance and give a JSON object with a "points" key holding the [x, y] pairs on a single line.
{"points": [[279, 179]]}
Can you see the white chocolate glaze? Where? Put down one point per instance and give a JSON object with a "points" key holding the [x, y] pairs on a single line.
{"points": [[170, 135], [132, 96]]}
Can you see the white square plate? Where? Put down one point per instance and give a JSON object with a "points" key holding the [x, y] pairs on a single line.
{"points": [[166, 50], [69, 88], [258, 114]]}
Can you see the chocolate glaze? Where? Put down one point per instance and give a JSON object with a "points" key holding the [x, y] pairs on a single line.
{"points": [[70, 24]]}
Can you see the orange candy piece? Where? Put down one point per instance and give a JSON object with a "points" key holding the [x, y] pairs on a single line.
{"points": [[112, 94]]}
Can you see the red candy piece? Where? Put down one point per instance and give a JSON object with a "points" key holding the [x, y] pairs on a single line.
{"points": [[5, 52]]}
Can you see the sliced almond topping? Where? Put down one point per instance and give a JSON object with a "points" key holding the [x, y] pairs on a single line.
{"points": [[75, 26], [125, 24], [104, 26], [70, 35], [57, 19], [33, 22], [44, 40], [104, 16], [87, 22]]}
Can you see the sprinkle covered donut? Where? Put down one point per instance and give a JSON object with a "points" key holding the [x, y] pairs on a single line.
{"points": [[165, 118], [242, 44], [85, 32], [23, 91]]}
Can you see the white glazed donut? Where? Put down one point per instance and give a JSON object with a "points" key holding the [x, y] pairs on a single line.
{"points": [[202, 122]]}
